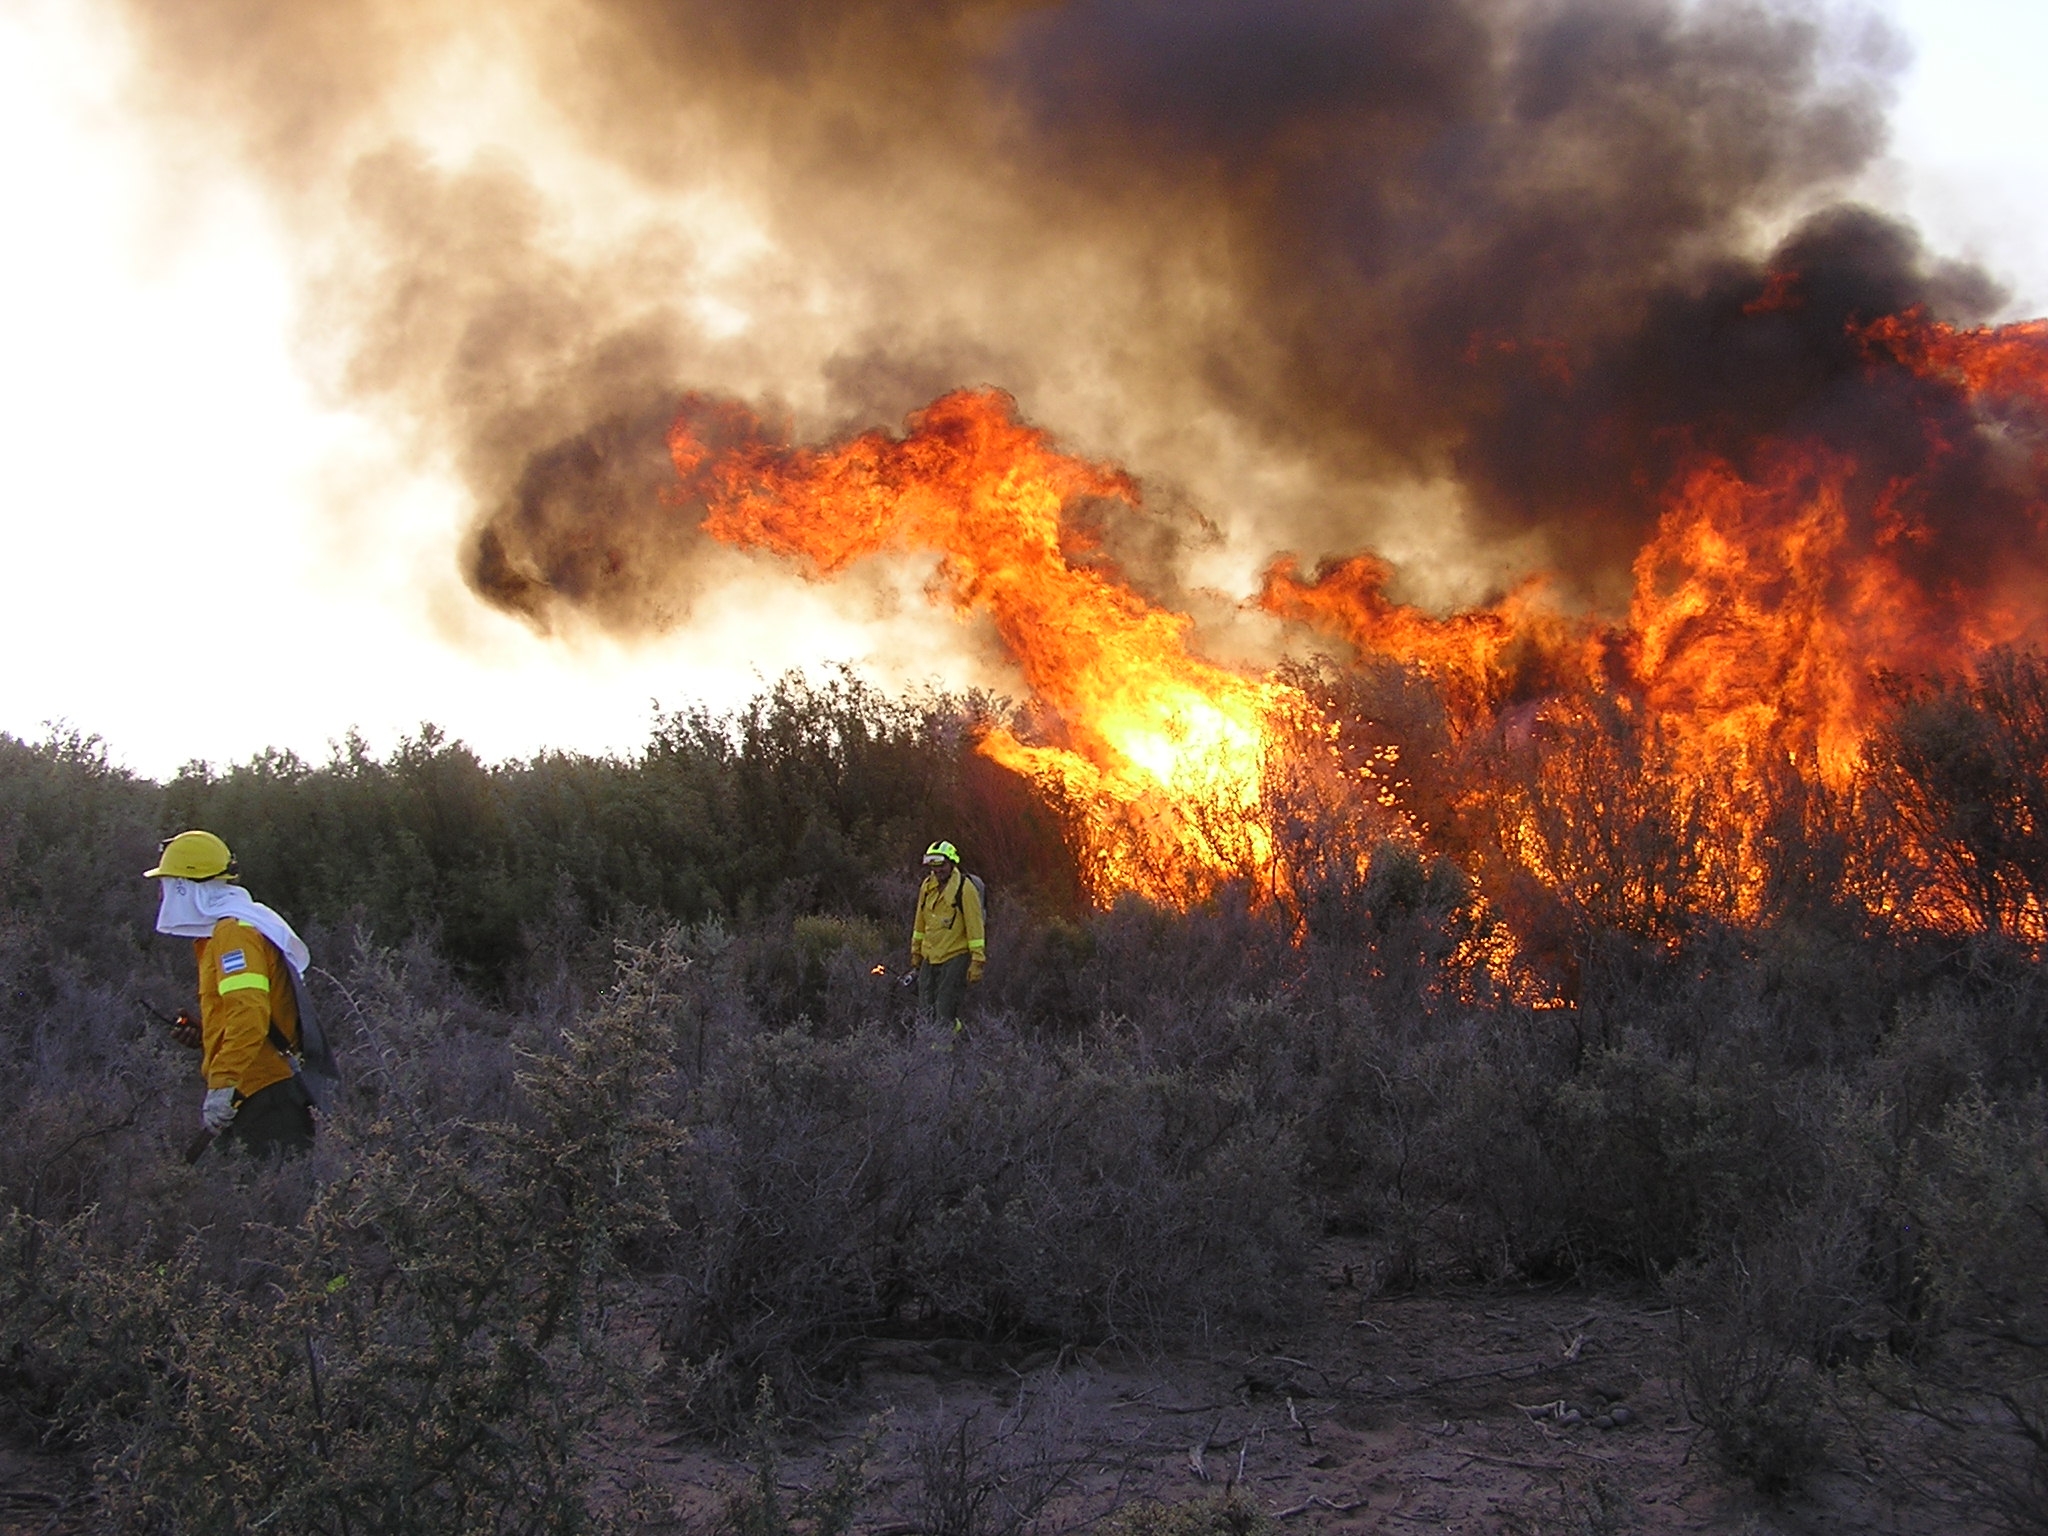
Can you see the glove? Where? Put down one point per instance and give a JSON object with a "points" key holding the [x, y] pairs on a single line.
{"points": [[218, 1109], [975, 967], [185, 1030]]}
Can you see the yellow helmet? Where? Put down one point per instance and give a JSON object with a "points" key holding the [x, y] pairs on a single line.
{"points": [[942, 851], [192, 856]]}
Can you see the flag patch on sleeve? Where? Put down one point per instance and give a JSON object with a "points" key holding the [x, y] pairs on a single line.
{"points": [[234, 960]]}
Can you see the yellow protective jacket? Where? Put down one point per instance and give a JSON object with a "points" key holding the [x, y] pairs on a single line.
{"points": [[949, 921], [245, 985]]}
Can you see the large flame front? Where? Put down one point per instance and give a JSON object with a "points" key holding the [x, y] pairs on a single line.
{"points": [[1771, 605], [1772, 600], [1165, 752]]}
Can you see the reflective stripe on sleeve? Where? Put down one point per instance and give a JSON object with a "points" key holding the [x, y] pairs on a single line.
{"points": [[247, 981]]}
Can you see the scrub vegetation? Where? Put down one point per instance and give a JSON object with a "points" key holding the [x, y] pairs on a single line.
{"points": [[638, 1121]]}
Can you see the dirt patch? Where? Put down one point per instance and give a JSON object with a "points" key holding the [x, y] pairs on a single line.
{"points": [[1498, 1410], [40, 1493], [1523, 1412]]}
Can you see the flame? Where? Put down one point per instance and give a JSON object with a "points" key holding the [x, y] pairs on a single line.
{"points": [[1165, 751], [1770, 601], [1990, 362], [1777, 590], [1482, 659]]}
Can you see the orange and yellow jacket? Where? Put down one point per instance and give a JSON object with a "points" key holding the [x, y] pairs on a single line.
{"points": [[949, 921], [245, 985]]}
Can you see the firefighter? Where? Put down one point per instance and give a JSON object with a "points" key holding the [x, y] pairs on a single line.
{"points": [[947, 942], [250, 969]]}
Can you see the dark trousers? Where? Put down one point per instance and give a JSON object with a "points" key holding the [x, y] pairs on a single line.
{"points": [[942, 989], [277, 1120]]}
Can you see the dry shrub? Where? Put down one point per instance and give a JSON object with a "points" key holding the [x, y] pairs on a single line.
{"points": [[1225, 1514], [822, 969], [1481, 1140], [1972, 1370], [1776, 1311], [419, 1351], [1830, 1124], [992, 1473], [1420, 1132], [984, 1188], [1652, 1155], [759, 1507], [1750, 1385]]}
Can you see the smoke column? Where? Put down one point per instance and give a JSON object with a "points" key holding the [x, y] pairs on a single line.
{"points": [[1294, 263]]}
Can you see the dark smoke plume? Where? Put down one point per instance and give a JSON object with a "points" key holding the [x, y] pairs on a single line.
{"points": [[1509, 244]]}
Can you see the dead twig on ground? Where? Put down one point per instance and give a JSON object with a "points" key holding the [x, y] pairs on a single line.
{"points": [[1307, 1435], [1317, 1501], [1509, 1461], [1524, 1370], [1201, 1445]]}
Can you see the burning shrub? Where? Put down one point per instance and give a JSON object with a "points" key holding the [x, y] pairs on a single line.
{"points": [[1485, 1067], [1960, 775]]}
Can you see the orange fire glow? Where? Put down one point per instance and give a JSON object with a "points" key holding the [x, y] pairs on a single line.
{"points": [[2005, 360], [1164, 752], [1770, 599], [1481, 658], [1768, 605]]}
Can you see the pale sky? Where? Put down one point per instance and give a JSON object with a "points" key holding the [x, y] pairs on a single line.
{"points": [[162, 444]]}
